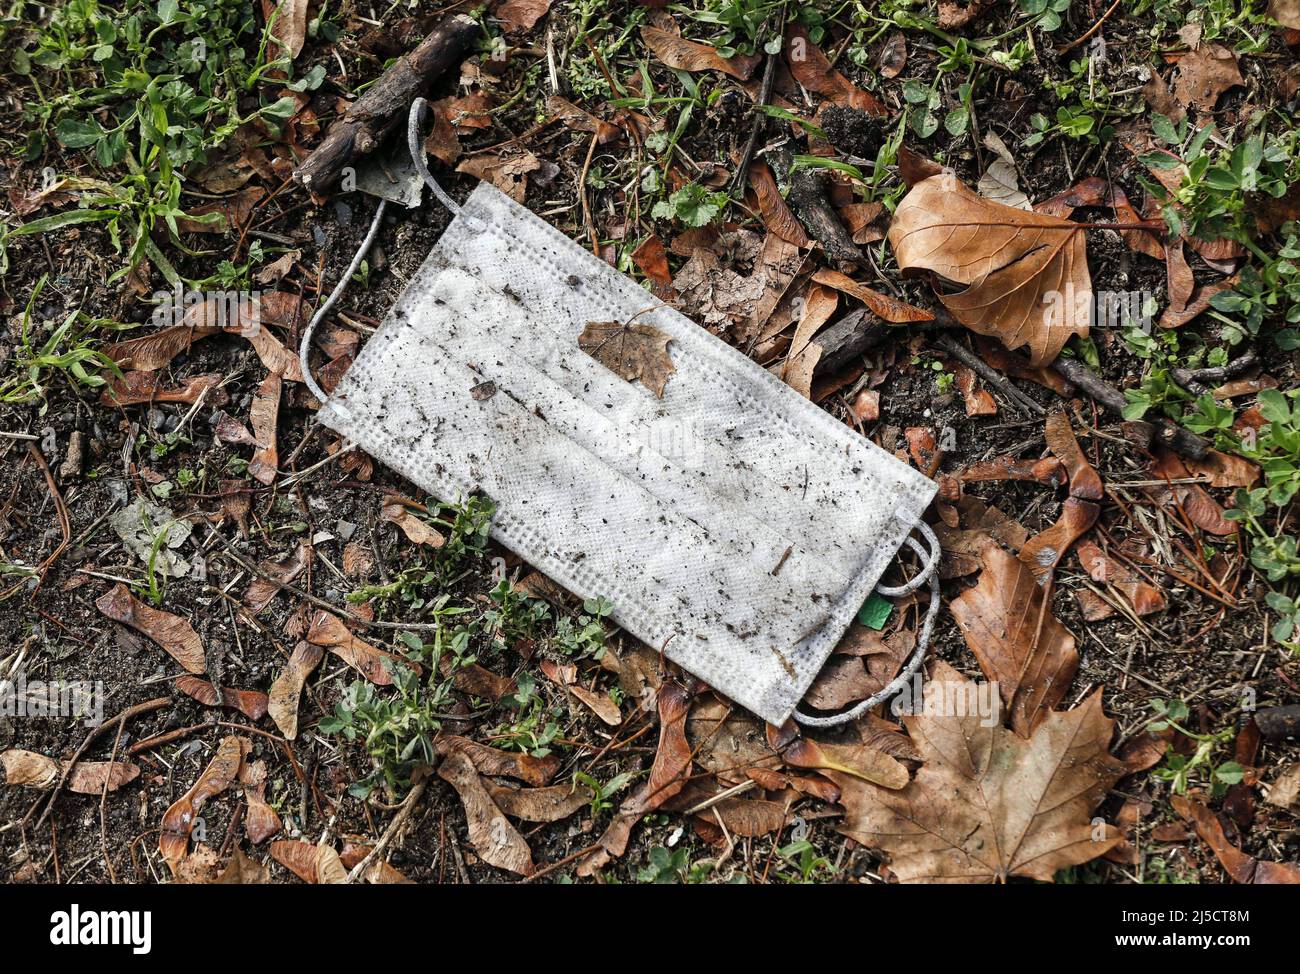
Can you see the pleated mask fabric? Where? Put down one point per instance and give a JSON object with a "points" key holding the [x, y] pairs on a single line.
{"points": [[732, 523]]}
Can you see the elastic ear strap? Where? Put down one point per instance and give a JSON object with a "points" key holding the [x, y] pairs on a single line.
{"points": [[337, 293], [929, 573], [414, 119]]}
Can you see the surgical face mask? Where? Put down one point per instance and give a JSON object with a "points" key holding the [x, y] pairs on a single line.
{"points": [[732, 524]]}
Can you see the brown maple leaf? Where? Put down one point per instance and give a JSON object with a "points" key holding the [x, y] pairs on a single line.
{"points": [[986, 804], [631, 351], [1018, 643], [1025, 274]]}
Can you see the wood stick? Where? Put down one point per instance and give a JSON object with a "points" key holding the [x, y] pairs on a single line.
{"points": [[808, 200], [384, 104]]}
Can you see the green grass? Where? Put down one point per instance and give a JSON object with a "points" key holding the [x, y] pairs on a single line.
{"points": [[141, 90]]}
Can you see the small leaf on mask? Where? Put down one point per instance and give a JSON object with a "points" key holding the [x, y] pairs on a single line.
{"points": [[634, 352]]}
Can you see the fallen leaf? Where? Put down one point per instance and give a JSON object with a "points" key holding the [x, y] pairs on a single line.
{"points": [[843, 763], [498, 763], [286, 691], [1239, 866], [1048, 470], [772, 207], [264, 414], [631, 351], [133, 388], [651, 258], [178, 820], [86, 778], [476, 680], [507, 173], [251, 703], [677, 52], [1044, 551], [517, 16], [242, 871], [1224, 469], [579, 118], [1026, 274], [953, 15], [893, 56], [329, 632], [979, 402], [668, 773], [496, 841], [981, 525], [284, 570], [1085, 482], [987, 804], [812, 69], [1008, 624], [1142, 596], [553, 803], [233, 211], [1204, 75], [176, 636], [290, 26], [1000, 182], [296, 856], [150, 352], [397, 510], [261, 822], [887, 308], [1201, 509], [1285, 789]]}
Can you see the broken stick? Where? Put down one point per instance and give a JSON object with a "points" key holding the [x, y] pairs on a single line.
{"points": [[385, 103]]}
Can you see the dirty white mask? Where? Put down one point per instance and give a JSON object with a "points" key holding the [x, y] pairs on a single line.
{"points": [[732, 523]]}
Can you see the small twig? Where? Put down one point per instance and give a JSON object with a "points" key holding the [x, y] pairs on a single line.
{"points": [[142, 708], [989, 375], [403, 813]]}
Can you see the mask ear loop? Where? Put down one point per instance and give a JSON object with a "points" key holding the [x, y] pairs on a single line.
{"points": [[414, 119], [929, 573]]}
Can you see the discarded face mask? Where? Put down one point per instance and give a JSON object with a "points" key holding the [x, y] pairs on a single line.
{"points": [[731, 522]]}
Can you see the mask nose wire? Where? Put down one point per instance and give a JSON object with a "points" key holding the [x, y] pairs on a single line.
{"points": [[928, 573]]}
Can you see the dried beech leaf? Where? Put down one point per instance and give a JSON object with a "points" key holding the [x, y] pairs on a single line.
{"points": [[176, 636], [987, 804]]}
